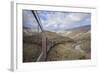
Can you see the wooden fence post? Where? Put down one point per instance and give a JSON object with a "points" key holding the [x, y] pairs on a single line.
{"points": [[44, 47]]}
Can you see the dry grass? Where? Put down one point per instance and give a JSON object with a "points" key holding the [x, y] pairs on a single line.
{"points": [[85, 42], [31, 52], [64, 52]]}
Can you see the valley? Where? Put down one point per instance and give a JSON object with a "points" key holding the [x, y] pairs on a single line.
{"points": [[73, 44]]}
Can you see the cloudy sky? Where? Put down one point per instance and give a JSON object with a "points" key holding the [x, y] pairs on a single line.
{"points": [[56, 21]]}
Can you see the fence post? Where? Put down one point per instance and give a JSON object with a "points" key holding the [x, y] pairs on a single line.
{"points": [[44, 47]]}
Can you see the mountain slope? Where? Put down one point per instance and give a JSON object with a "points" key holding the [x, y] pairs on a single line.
{"points": [[64, 45]]}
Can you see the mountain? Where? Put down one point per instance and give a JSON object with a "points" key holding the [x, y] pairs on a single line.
{"points": [[80, 31], [64, 44], [32, 43], [36, 37], [82, 37], [87, 27]]}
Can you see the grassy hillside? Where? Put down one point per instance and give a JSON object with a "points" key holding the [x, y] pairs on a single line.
{"points": [[82, 36], [30, 52], [65, 52], [64, 45]]}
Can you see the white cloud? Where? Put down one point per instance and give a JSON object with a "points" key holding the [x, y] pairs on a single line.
{"points": [[55, 20], [76, 16], [63, 20]]}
